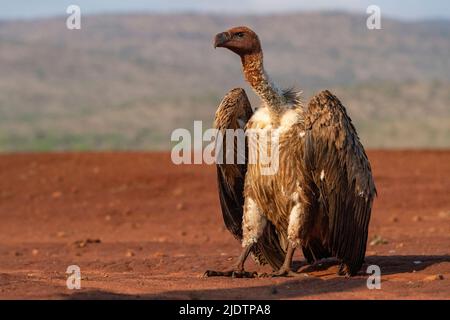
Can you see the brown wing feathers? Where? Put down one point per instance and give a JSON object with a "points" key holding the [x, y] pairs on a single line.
{"points": [[231, 178], [340, 172]]}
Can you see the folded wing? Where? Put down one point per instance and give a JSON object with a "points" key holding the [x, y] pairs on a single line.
{"points": [[340, 172]]}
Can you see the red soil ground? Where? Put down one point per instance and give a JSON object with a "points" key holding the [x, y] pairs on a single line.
{"points": [[159, 228]]}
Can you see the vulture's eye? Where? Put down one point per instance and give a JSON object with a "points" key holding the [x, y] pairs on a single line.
{"points": [[240, 34]]}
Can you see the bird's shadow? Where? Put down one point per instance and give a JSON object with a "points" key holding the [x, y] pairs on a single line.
{"points": [[295, 287], [388, 264]]}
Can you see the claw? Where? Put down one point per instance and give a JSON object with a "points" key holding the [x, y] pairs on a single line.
{"points": [[212, 273], [244, 274], [230, 273], [280, 273]]}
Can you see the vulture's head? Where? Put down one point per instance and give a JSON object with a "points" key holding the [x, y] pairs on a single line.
{"points": [[240, 40]]}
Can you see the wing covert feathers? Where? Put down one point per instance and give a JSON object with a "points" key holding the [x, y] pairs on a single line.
{"points": [[339, 169]]}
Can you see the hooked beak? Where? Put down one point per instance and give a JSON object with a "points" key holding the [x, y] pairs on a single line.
{"points": [[220, 39]]}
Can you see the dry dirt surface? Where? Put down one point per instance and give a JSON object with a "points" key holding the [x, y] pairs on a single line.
{"points": [[140, 227]]}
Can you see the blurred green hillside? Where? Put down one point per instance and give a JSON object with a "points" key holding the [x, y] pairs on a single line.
{"points": [[125, 82]]}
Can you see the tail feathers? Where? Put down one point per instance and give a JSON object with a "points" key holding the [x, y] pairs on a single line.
{"points": [[315, 251]]}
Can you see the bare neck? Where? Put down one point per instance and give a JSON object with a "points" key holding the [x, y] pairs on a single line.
{"points": [[256, 76]]}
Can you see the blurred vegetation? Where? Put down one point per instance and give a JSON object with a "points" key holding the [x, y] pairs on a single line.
{"points": [[125, 82]]}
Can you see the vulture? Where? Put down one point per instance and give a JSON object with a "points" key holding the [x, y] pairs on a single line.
{"points": [[320, 197]]}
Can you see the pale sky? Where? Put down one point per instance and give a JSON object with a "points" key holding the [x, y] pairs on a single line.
{"points": [[404, 9]]}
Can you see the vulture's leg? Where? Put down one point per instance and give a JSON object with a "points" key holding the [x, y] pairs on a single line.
{"points": [[295, 230], [285, 270], [237, 271], [253, 226]]}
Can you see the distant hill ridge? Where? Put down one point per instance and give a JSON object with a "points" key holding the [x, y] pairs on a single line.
{"points": [[126, 81]]}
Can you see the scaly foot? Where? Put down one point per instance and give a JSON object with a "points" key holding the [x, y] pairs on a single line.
{"points": [[282, 272], [230, 273]]}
